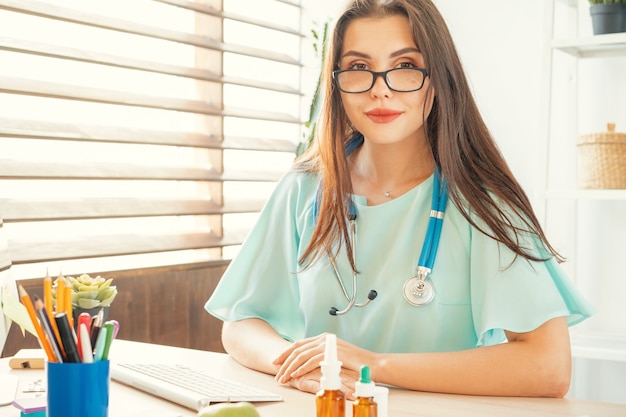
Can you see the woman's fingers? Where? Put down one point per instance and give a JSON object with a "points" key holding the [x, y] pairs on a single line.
{"points": [[304, 356], [311, 382], [296, 345], [300, 362], [303, 352]]}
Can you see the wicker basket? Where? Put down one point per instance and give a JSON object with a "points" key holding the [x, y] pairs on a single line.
{"points": [[602, 159]]}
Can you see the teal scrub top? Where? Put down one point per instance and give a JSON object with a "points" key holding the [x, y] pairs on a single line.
{"points": [[481, 287]]}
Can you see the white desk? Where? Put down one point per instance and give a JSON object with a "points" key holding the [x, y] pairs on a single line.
{"points": [[127, 402]]}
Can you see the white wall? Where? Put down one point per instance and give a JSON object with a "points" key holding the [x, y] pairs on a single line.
{"points": [[501, 49]]}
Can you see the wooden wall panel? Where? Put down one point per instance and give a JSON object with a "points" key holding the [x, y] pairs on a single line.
{"points": [[157, 305]]}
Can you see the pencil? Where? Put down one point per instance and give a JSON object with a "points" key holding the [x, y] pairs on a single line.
{"points": [[60, 294], [67, 299], [43, 340], [49, 304], [47, 295], [47, 329]]}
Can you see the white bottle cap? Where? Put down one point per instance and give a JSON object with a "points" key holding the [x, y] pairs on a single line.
{"points": [[331, 367], [364, 387]]}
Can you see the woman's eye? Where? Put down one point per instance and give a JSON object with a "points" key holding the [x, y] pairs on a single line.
{"points": [[358, 66], [407, 65]]}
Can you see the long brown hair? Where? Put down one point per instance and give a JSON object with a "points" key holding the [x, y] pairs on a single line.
{"points": [[478, 177]]}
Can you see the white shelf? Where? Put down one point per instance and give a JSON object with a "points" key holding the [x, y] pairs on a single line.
{"points": [[618, 195], [611, 44], [572, 42], [601, 347]]}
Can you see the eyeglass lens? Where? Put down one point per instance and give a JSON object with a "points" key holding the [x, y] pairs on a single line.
{"points": [[397, 79]]}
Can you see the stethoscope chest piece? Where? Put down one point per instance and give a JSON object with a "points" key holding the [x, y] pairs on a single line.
{"points": [[418, 291]]}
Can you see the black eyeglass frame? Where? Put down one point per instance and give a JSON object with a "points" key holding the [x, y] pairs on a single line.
{"points": [[375, 75]]}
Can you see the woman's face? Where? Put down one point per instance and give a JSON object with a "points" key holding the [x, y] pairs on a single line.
{"points": [[381, 114]]}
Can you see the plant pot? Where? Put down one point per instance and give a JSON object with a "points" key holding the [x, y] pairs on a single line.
{"points": [[608, 18]]}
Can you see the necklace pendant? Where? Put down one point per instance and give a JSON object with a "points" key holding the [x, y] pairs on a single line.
{"points": [[418, 292], [387, 194]]}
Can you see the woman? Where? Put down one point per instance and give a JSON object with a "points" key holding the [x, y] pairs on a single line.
{"points": [[347, 233]]}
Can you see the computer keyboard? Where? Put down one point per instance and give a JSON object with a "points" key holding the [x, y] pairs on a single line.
{"points": [[205, 386]]}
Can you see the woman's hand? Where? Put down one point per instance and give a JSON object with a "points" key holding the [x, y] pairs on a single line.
{"points": [[311, 382], [299, 365]]}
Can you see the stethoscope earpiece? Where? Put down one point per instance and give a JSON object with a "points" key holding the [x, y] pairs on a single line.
{"points": [[370, 296]]}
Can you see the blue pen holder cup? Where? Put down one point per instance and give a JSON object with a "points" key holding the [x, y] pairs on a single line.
{"points": [[78, 389]]}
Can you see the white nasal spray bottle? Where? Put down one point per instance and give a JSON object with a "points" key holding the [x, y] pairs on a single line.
{"points": [[330, 401]]}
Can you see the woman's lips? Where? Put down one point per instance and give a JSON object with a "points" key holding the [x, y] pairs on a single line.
{"points": [[382, 115]]}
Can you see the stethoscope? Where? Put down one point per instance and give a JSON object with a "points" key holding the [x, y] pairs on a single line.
{"points": [[418, 290]]}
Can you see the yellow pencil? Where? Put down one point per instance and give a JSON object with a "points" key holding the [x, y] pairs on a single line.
{"points": [[60, 294], [47, 294], [67, 300], [43, 340], [49, 304]]}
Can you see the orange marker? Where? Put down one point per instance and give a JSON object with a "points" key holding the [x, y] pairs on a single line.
{"points": [[43, 340]]}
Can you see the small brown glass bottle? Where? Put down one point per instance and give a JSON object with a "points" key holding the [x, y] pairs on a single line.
{"points": [[364, 405], [330, 401]]}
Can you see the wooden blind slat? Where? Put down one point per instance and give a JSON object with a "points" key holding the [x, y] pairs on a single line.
{"points": [[37, 129], [10, 169], [54, 51], [75, 16], [26, 210], [207, 9], [29, 251], [15, 85]]}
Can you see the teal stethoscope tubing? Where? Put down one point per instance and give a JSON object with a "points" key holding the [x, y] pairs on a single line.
{"points": [[435, 222], [417, 291]]}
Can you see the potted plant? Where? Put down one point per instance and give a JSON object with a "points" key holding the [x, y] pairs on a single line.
{"points": [[89, 294], [608, 16]]}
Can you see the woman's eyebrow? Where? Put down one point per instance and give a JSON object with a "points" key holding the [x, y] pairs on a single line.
{"points": [[397, 53], [403, 51], [355, 54]]}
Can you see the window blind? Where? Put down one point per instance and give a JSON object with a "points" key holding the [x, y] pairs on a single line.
{"points": [[142, 133]]}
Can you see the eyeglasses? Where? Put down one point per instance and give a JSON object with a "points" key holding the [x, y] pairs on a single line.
{"points": [[402, 80]]}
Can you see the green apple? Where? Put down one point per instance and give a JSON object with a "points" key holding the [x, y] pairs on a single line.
{"points": [[241, 409]]}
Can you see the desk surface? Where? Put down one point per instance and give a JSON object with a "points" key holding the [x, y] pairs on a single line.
{"points": [[127, 402]]}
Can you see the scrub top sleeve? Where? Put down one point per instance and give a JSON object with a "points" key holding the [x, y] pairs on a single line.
{"points": [[515, 294], [261, 281]]}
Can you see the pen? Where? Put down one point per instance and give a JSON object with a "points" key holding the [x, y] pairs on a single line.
{"points": [[86, 350], [116, 327], [67, 337], [47, 329], [100, 344], [96, 325], [83, 319], [43, 340], [110, 330]]}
